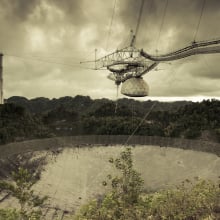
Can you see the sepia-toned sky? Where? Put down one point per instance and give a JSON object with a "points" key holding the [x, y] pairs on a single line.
{"points": [[43, 42]]}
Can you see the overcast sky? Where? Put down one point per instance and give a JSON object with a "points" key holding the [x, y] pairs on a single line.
{"points": [[68, 31]]}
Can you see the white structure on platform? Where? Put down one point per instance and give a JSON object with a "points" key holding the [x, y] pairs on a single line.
{"points": [[135, 87]]}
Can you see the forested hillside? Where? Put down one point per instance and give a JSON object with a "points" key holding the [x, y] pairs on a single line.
{"points": [[17, 124], [41, 117], [84, 104]]}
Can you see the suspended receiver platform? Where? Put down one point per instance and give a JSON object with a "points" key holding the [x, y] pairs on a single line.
{"points": [[128, 65]]}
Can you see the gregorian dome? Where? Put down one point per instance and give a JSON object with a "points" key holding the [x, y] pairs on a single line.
{"points": [[135, 87]]}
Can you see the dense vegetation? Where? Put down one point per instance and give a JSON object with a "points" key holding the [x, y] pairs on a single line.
{"points": [[125, 197], [20, 187], [18, 124], [41, 117]]}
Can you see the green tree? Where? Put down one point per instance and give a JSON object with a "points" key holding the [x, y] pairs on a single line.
{"points": [[124, 201], [127, 200], [9, 214], [21, 189], [188, 201]]}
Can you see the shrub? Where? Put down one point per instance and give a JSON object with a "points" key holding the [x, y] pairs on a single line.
{"points": [[128, 200], [21, 189], [187, 201], [9, 214], [124, 201]]}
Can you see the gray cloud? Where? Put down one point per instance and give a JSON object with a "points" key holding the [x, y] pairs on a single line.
{"points": [[18, 10], [68, 32]]}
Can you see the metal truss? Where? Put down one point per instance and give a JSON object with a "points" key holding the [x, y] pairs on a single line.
{"points": [[127, 55]]}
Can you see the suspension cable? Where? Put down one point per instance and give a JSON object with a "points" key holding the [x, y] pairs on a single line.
{"points": [[132, 114], [162, 23], [73, 65], [200, 17], [132, 134], [116, 101], [110, 26], [150, 9], [139, 18]]}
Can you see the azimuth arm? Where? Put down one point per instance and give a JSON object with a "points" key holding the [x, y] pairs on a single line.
{"points": [[194, 49]]}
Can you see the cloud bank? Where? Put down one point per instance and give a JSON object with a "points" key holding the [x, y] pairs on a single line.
{"points": [[45, 40]]}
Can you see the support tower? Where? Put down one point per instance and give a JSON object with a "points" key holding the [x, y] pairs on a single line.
{"points": [[1, 79]]}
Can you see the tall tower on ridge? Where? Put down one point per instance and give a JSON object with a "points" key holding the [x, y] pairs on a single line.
{"points": [[1, 79]]}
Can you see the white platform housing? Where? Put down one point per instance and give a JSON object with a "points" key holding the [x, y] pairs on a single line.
{"points": [[135, 87]]}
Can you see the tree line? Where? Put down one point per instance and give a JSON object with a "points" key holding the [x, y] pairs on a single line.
{"points": [[84, 116]]}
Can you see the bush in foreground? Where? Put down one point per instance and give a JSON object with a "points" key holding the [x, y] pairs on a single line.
{"points": [[21, 188], [127, 199], [187, 201]]}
